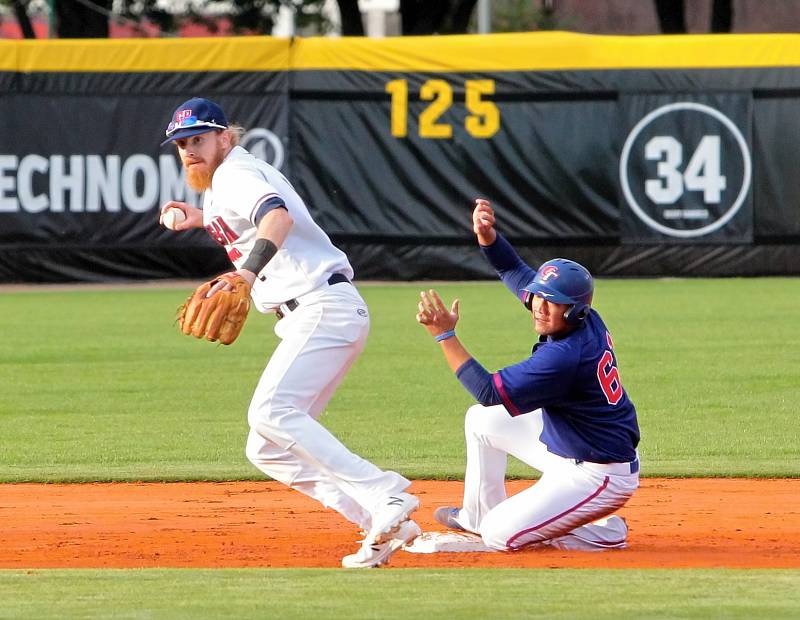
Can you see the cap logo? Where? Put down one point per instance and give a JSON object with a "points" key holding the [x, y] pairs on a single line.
{"points": [[194, 117], [551, 271]]}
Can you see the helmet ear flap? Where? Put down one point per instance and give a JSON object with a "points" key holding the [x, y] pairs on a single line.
{"points": [[576, 314], [527, 300]]}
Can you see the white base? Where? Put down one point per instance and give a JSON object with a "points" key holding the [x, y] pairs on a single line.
{"points": [[451, 542]]}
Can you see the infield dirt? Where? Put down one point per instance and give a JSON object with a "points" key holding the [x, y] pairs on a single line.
{"points": [[673, 523]]}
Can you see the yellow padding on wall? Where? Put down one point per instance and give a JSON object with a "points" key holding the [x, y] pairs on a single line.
{"points": [[537, 51], [134, 55], [547, 51]]}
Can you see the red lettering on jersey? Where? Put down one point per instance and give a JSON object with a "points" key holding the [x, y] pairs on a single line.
{"points": [[608, 376], [234, 255], [221, 232], [215, 233]]}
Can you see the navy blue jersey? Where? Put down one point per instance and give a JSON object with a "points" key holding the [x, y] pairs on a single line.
{"points": [[573, 379]]}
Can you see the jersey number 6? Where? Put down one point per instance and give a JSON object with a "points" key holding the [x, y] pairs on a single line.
{"points": [[608, 376]]}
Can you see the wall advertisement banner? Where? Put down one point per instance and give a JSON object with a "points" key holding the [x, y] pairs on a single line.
{"points": [[619, 152]]}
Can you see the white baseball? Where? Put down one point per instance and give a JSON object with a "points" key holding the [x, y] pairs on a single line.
{"points": [[172, 217]]}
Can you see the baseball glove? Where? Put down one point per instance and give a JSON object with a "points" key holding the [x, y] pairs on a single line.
{"points": [[219, 317]]}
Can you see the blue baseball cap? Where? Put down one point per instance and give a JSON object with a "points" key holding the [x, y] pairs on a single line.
{"points": [[194, 117]]}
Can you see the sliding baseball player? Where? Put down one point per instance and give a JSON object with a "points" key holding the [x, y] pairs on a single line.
{"points": [[562, 410]]}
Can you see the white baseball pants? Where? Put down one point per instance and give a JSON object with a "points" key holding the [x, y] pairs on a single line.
{"points": [[564, 509], [320, 340]]}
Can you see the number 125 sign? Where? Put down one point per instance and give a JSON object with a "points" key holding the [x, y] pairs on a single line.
{"points": [[483, 120]]}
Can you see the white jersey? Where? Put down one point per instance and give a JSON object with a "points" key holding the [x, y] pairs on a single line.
{"points": [[307, 258]]}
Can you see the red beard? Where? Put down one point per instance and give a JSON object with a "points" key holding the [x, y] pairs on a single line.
{"points": [[199, 176]]}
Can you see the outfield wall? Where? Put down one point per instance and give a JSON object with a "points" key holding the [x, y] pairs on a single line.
{"points": [[637, 156]]}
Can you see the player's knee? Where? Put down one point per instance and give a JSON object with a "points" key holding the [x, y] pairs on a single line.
{"points": [[251, 452], [253, 449], [475, 419], [493, 530], [494, 543], [265, 416], [253, 414], [493, 536], [481, 422]]}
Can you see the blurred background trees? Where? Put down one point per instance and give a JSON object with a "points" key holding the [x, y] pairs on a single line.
{"points": [[153, 18]]}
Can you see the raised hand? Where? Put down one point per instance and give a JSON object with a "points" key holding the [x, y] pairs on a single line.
{"points": [[433, 314], [483, 222]]}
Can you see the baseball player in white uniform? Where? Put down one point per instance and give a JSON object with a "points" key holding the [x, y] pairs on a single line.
{"points": [[295, 271]]}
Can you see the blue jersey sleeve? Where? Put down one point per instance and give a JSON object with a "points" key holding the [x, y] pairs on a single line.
{"points": [[478, 382], [542, 380], [513, 271]]}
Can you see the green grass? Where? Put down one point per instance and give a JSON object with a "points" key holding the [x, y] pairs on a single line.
{"points": [[406, 594], [100, 385]]}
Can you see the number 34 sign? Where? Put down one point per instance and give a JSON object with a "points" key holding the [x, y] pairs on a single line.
{"points": [[685, 168]]}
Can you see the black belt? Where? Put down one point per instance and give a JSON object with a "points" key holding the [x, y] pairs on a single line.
{"points": [[337, 278], [291, 305]]}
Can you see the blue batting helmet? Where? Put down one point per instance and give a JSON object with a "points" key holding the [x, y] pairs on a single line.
{"points": [[564, 282]]}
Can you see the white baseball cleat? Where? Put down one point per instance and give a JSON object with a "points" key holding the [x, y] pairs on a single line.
{"points": [[373, 554], [390, 514]]}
